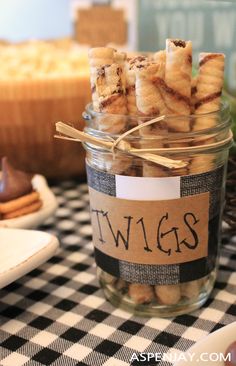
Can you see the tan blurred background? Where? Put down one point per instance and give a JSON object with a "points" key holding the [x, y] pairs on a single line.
{"points": [[44, 74]]}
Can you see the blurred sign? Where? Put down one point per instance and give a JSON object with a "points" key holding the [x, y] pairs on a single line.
{"points": [[103, 22], [99, 25], [211, 25]]}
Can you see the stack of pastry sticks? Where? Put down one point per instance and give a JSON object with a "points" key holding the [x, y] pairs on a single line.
{"points": [[134, 90], [108, 96]]}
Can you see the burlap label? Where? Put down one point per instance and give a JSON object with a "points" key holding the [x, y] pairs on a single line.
{"points": [[161, 232]]}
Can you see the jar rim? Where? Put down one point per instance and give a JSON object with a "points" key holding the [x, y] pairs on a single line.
{"points": [[223, 123], [225, 108]]}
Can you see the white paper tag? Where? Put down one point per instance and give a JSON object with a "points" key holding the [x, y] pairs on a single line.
{"points": [[146, 188]]}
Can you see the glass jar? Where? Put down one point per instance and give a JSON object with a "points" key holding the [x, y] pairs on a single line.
{"points": [[156, 230]]}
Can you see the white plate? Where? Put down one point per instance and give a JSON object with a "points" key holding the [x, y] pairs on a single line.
{"points": [[214, 345], [22, 251], [34, 219]]}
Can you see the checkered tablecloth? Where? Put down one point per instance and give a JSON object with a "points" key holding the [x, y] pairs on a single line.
{"points": [[57, 315]]}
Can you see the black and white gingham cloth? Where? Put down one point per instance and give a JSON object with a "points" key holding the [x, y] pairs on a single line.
{"points": [[57, 314]]}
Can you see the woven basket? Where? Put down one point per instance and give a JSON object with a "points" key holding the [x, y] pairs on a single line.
{"points": [[29, 110]]}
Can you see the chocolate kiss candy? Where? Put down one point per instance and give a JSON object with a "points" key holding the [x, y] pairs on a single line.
{"points": [[14, 183]]}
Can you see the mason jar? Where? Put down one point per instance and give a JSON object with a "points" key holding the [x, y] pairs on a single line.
{"points": [[156, 229]]}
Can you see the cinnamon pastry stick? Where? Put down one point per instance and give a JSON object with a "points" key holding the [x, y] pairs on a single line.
{"points": [[209, 85], [207, 99], [208, 89], [160, 57], [120, 59], [148, 97], [98, 57], [193, 93], [178, 74], [141, 293], [176, 88], [107, 87], [130, 67], [190, 289], [150, 103], [107, 80], [111, 91], [168, 294]]}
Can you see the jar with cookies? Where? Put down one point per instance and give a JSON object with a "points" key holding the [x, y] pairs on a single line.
{"points": [[157, 142]]}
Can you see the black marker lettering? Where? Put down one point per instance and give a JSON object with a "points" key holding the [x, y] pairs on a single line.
{"points": [[193, 232], [99, 224], [119, 234], [144, 234]]}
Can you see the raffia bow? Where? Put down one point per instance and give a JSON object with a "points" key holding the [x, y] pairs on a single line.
{"points": [[72, 134]]}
